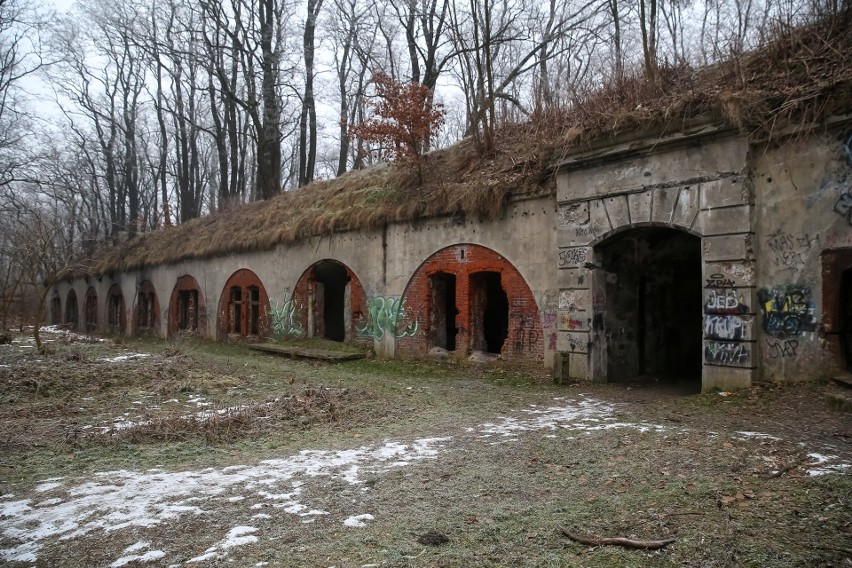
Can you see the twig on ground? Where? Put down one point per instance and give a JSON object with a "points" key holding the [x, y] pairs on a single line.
{"points": [[625, 542]]}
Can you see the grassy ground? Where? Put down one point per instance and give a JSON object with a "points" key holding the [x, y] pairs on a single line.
{"points": [[648, 463]]}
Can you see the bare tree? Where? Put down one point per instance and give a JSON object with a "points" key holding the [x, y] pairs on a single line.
{"points": [[308, 119]]}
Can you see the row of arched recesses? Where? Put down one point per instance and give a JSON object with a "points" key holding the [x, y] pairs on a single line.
{"points": [[462, 298]]}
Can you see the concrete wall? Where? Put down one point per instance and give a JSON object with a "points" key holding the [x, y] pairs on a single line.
{"points": [[762, 234], [802, 242], [697, 184], [382, 260]]}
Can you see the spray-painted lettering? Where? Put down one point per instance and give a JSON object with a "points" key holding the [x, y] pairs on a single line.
{"points": [[788, 310], [526, 336], [790, 250], [719, 281], [781, 348], [727, 326], [727, 353], [572, 257], [724, 301]]}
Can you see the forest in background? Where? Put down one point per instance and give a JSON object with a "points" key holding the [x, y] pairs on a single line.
{"points": [[119, 118]]}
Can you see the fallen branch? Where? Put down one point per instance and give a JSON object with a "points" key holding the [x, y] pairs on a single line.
{"points": [[625, 542]]}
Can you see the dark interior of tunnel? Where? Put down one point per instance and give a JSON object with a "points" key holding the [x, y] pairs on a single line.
{"points": [[333, 279], [490, 312], [444, 311], [653, 306]]}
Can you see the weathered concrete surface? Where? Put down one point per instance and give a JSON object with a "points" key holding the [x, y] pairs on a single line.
{"points": [[770, 279], [382, 260], [803, 220]]}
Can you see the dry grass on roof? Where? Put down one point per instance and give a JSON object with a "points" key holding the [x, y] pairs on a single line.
{"points": [[799, 79]]}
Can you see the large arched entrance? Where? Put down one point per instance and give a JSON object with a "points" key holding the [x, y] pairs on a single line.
{"points": [[331, 299], [469, 298], [649, 295]]}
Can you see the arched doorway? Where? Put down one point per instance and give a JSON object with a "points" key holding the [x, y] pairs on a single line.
{"points": [[115, 310], [187, 313], [147, 314], [470, 298], [243, 307], [648, 292], [72, 311], [331, 299], [90, 316]]}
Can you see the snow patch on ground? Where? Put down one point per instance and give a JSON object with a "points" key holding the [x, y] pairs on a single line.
{"points": [[116, 500], [358, 520], [237, 536], [584, 415], [821, 460], [128, 556], [128, 357]]}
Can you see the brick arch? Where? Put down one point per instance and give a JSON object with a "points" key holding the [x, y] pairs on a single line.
{"points": [[72, 311], [90, 310], [470, 269], [116, 318], [309, 302], [243, 307], [146, 316], [187, 312]]}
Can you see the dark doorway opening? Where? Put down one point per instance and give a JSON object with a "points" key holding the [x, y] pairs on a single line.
{"points": [[444, 310], [72, 311], [56, 310], [846, 316], [331, 280], [490, 317], [652, 306]]}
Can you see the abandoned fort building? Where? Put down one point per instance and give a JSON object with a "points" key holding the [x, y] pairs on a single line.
{"points": [[701, 255]]}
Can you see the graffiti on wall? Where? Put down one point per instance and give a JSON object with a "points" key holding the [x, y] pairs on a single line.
{"points": [[724, 301], [386, 316], [781, 348], [728, 353], [525, 335], [283, 317], [572, 257], [790, 250], [727, 323], [788, 310], [728, 327], [843, 206]]}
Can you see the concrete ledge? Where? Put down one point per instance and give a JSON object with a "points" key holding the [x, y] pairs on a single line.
{"points": [[307, 353], [840, 402]]}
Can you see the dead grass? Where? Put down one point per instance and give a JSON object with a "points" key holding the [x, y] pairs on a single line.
{"points": [[499, 501], [797, 80]]}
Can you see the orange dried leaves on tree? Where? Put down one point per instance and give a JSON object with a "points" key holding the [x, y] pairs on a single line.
{"points": [[405, 119]]}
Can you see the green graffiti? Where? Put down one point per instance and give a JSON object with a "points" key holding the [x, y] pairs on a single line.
{"points": [[283, 317], [386, 316]]}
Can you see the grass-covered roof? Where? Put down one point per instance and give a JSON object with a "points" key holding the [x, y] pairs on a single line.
{"points": [[798, 80]]}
